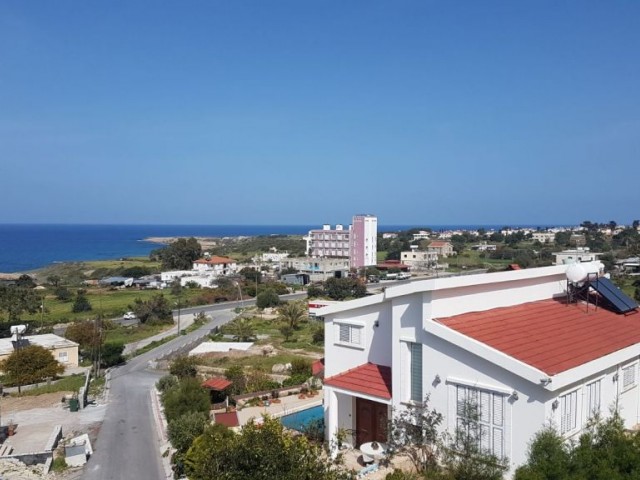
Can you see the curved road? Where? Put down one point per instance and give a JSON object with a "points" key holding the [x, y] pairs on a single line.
{"points": [[128, 445]]}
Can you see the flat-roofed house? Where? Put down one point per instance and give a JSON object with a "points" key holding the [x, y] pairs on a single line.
{"points": [[63, 350]]}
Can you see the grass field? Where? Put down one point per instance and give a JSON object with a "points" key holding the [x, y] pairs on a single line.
{"points": [[134, 334], [66, 384], [109, 303]]}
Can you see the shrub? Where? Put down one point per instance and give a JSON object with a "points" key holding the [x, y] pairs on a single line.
{"points": [[81, 304], [63, 294], [112, 354], [318, 335], [301, 366], [184, 429], [166, 383], [184, 366], [267, 299], [186, 397]]}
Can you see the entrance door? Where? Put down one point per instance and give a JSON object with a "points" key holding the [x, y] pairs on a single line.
{"points": [[371, 421]]}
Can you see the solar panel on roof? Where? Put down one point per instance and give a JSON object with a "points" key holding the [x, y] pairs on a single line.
{"points": [[620, 300]]}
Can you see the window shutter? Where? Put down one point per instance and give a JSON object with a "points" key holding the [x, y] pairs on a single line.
{"points": [[460, 400], [356, 334], [344, 333], [416, 371], [485, 438], [485, 406], [498, 410], [498, 447]]}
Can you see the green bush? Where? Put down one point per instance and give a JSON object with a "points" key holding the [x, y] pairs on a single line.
{"points": [[186, 397], [267, 299], [301, 366], [295, 380], [184, 366], [166, 383], [112, 354]]}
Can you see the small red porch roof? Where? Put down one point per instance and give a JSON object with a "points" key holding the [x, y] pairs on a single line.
{"points": [[228, 419], [216, 384], [369, 379]]}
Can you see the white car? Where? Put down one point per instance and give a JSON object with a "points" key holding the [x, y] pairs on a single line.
{"points": [[129, 316]]}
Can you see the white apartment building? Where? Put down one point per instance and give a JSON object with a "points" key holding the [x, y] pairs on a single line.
{"points": [[543, 237], [510, 341], [358, 242], [579, 255], [216, 265], [419, 260]]}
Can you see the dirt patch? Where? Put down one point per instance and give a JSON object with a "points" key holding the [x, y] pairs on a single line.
{"points": [[46, 400]]}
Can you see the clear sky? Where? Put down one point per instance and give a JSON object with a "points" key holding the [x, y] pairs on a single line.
{"points": [[304, 112]]}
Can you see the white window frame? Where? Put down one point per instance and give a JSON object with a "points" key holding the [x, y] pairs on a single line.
{"points": [[634, 383], [588, 411], [562, 404], [351, 326], [488, 421]]}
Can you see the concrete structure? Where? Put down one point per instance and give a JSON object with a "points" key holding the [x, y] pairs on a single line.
{"points": [[216, 265], [363, 243], [63, 350], [358, 243], [543, 237], [328, 242], [507, 341], [444, 249], [575, 256], [421, 235], [419, 260], [319, 269], [485, 247]]}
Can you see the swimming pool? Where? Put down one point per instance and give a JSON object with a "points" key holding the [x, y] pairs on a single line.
{"points": [[300, 420]]}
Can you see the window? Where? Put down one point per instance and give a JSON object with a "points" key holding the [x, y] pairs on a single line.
{"points": [[629, 376], [593, 398], [569, 412], [350, 334], [415, 365], [63, 357], [480, 418]]}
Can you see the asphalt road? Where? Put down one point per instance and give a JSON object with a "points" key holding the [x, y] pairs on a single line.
{"points": [[128, 445]]}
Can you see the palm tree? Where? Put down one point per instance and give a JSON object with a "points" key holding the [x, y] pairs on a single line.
{"points": [[292, 313], [242, 329]]}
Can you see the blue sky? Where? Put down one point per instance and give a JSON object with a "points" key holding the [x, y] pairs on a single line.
{"points": [[303, 112]]}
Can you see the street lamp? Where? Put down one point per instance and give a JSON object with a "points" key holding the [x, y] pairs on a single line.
{"points": [[240, 293], [178, 303]]}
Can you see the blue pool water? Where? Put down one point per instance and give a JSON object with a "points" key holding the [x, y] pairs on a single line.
{"points": [[299, 420]]}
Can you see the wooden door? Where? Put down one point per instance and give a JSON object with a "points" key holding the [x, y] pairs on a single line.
{"points": [[371, 421]]}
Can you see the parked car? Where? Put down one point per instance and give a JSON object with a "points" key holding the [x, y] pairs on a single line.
{"points": [[374, 279], [129, 316]]}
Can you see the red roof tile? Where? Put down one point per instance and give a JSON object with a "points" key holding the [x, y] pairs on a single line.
{"points": [[370, 379], [216, 384], [229, 419], [550, 335], [438, 243], [317, 367]]}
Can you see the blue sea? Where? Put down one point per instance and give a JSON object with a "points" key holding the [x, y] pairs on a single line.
{"points": [[27, 247]]}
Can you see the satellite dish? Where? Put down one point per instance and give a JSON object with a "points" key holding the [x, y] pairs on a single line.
{"points": [[576, 273]]}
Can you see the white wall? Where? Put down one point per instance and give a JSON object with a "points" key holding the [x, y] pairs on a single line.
{"points": [[376, 346]]}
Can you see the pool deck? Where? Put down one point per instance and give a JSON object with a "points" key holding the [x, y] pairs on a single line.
{"points": [[289, 404]]}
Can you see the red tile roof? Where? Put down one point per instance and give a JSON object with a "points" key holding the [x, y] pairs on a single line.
{"points": [[550, 335], [439, 243], [317, 367], [216, 384], [229, 419], [370, 379], [215, 260]]}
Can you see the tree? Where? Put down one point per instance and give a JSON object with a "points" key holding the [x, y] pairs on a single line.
{"points": [[111, 354], [250, 274], [413, 431], [81, 303], [185, 429], [343, 288], [30, 364], [179, 255], [63, 294], [86, 334], [235, 374], [315, 291], [188, 396], [25, 281], [287, 332], [267, 299], [156, 310], [53, 280], [292, 313], [15, 300], [184, 366], [636, 224], [259, 452], [241, 329]]}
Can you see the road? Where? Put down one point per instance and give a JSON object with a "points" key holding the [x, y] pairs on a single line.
{"points": [[128, 445]]}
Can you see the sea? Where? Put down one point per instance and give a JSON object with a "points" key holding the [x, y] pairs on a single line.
{"points": [[26, 247]]}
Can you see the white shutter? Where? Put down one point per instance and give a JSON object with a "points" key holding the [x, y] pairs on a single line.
{"points": [[344, 333], [485, 438], [629, 376], [593, 398], [485, 407], [498, 444], [498, 410], [356, 335], [461, 399]]}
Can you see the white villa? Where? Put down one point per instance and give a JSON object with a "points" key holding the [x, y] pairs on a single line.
{"points": [[511, 341], [216, 265]]}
